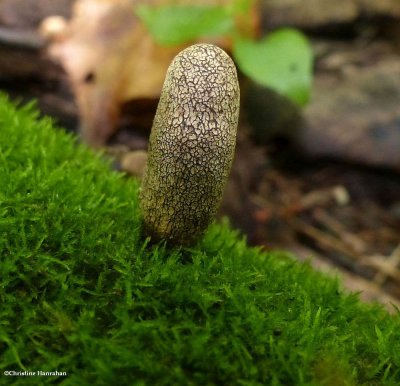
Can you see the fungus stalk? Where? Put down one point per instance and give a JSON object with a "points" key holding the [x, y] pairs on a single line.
{"points": [[192, 145]]}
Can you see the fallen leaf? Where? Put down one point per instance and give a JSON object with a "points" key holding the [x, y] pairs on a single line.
{"points": [[111, 58]]}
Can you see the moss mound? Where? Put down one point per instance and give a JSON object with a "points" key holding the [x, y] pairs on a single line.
{"points": [[82, 293]]}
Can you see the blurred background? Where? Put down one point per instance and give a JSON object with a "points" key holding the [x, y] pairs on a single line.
{"points": [[317, 167]]}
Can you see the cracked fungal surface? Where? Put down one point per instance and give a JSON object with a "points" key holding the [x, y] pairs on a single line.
{"points": [[192, 145]]}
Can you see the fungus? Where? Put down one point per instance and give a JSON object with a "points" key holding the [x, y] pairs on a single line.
{"points": [[192, 145]]}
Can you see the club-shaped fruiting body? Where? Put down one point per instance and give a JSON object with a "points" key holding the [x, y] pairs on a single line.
{"points": [[192, 144]]}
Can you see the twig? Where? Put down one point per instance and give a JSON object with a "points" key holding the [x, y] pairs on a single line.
{"points": [[324, 239], [354, 242], [388, 266]]}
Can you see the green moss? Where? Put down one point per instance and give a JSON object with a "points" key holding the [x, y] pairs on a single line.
{"points": [[81, 291]]}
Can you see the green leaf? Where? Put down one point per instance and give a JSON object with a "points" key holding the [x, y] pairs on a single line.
{"points": [[281, 61], [240, 7], [176, 24]]}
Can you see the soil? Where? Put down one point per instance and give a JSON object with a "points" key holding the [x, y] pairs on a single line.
{"points": [[340, 215]]}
